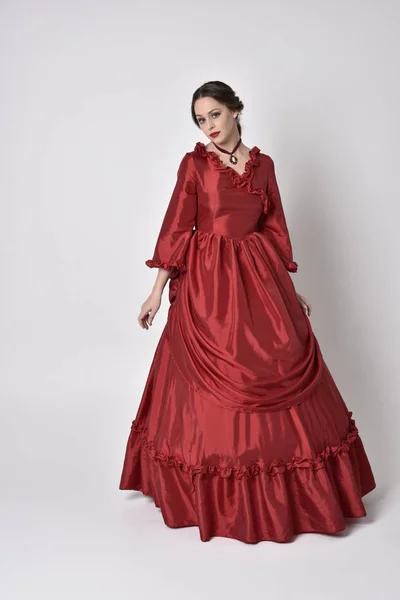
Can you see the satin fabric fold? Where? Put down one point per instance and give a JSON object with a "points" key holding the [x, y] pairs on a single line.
{"points": [[251, 476], [238, 333]]}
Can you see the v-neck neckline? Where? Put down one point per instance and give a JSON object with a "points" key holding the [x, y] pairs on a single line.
{"points": [[252, 161]]}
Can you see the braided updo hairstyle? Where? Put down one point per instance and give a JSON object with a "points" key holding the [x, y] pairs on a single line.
{"points": [[221, 92]]}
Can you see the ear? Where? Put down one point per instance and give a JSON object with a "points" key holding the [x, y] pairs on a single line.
{"points": [[235, 114]]}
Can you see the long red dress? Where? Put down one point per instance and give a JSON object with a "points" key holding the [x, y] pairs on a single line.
{"points": [[241, 429]]}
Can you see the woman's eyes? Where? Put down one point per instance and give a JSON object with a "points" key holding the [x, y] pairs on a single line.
{"points": [[216, 114]]}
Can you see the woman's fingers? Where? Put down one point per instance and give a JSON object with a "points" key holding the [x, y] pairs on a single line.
{"points": [[142, 318], [146, 318], [306, 306]]}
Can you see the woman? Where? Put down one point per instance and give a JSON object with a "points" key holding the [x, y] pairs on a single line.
{"points": [[241, 429]]}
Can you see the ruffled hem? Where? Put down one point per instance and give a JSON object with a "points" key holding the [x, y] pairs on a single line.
{"points": [[168, 266], [239, 180], [255, 468], [267, 502]]}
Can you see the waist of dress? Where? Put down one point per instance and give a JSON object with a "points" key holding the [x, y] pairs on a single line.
{"points": [[230, 235]]}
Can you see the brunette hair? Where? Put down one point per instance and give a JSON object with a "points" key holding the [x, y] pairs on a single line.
{"points": [[221, 92]]}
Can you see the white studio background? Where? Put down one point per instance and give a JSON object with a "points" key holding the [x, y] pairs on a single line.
{"points": [[95, 118]]}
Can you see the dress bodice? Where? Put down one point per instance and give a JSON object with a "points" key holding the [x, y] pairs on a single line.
{"points": [[229, 203], [210, 198]]}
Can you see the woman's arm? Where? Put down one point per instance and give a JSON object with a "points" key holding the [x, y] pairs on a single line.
{"points": [[178, 223], [275, 228], [274, 223], [151, 305], [173, 238]]}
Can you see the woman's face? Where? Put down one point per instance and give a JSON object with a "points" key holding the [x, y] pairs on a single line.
{"points": [[214, 117]]}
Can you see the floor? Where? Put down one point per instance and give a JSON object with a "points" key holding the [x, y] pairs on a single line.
{"points": [[68, 532]]}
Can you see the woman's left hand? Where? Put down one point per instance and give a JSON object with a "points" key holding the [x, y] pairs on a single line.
{"points": [[304, 303]]}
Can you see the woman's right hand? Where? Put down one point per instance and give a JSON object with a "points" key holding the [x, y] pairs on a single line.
{"points": [[149, 310]]}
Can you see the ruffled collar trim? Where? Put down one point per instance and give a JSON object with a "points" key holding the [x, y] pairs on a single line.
{"points": [[253, 161], [239, 180]]}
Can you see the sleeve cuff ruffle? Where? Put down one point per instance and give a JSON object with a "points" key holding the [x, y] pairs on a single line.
{"points": [[168, 266], [292, 267]]}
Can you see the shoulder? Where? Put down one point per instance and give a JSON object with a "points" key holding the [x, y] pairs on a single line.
{"points": [[266, 159], [193, 160], [187, 161], [267, 164], [187, 167]]}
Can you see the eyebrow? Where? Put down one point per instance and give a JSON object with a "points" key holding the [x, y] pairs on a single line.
{"points": [[210, 111]]}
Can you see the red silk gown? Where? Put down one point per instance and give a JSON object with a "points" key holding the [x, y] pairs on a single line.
{"points": [[241, 430]]}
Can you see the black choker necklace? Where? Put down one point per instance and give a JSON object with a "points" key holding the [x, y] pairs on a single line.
{"points": [[232, 158]]}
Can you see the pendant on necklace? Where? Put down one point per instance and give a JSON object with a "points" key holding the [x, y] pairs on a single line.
{"points": [[233, 159]]}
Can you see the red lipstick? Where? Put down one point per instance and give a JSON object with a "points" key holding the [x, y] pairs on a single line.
{"points": [[214, 134]]}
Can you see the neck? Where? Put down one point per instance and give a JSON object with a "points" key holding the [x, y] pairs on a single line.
{"points": [[229, 145]]}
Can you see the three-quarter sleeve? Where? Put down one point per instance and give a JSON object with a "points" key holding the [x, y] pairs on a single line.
{"points": [[179, 221], [274, 223]]}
